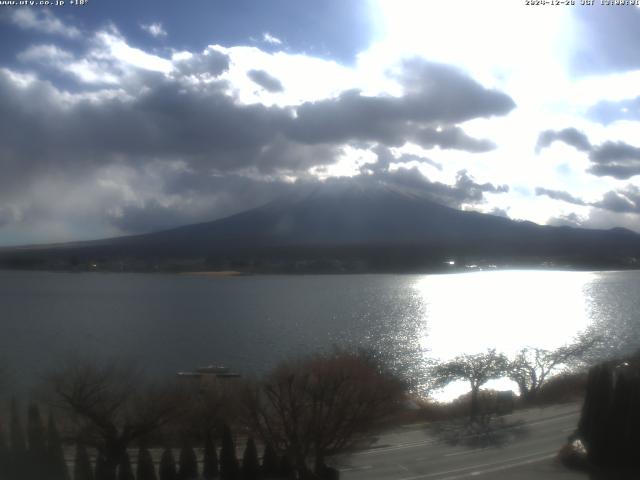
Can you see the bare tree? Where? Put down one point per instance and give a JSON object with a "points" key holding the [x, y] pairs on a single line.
{"points": [[113, 406], [532, 366], [477, 369], [321, 405]]}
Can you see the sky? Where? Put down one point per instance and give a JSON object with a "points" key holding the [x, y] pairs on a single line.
{"points": [[120, 117]]}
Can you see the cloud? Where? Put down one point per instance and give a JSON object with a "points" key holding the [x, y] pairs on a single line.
{"points": [[465, 190], [499, 212], [266, 81], [606, 112], [154, 29], [560, 195], [570, 136], [271, 39], [568, 220], [107, 151], [42, 20], [384, 159], [616, 159], [435, 95], [450, 138], [612, 33], [626, 200], [210, 62]]}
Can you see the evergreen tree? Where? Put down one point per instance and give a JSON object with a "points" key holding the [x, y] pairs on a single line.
{"points": [[102, 470], [17, 464], [125, 472], [168, 466], [4, 455], [286, 469], [229, 468], [210, 468], [82, 464], [18, 445], [250, 464], [55, 452], [188, 465], [145, 469], [269, 462], [37, 451]]}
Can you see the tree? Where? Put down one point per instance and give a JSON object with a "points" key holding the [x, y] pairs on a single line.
{"points": [[321, 405], [188, 465], [145, 469], [250, 464], [82, 465], [37, 450], [4, 453], [125, 472], [229, 468], [477, 369], [269, 462], [210, 467], [102, 472], [17, 463], [18, 444], [36, 436], [113, 406], [532, 367], [168, 466], [55, 452]]}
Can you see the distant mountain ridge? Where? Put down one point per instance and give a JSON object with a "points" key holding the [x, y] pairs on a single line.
{"points": [[343, 227]]}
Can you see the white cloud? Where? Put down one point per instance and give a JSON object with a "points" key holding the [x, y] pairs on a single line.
{"points": [[42, 20], [154, 29], [268, 38], [115, 47]]}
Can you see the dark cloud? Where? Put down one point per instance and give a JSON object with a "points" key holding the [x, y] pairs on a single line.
{"points": [[626, 200], [560, 195], [570, 136], [266, 81], [615, 159], [609, 38], [607, 112], [465, 190], [435, 95], [210, 62], [453, 137], [385, 158], [224, 148], [164, 117]]}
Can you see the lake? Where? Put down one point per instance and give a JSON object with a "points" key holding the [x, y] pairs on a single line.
{"points": [[168, 323]]}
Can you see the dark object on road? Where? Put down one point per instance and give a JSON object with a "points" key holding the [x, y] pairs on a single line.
{"points": [[573, 455], [610, 420]]}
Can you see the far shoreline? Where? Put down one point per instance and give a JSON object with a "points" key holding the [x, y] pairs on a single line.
{"points": [[216, 273]]}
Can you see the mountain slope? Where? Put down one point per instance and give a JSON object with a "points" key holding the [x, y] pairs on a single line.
{"points": [[356, 225]]}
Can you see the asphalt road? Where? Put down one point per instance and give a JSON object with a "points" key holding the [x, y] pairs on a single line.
{"points": [[417, 452]]}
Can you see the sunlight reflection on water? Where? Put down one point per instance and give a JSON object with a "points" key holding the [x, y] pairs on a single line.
{"points": [[505, 310]]}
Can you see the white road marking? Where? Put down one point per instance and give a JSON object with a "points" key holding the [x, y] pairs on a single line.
{"points": [[494, 466], [376, 451], [502, 467], [466, 452]]}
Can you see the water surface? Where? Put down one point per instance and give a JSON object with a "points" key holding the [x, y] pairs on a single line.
{"points": [[168, 323]]}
